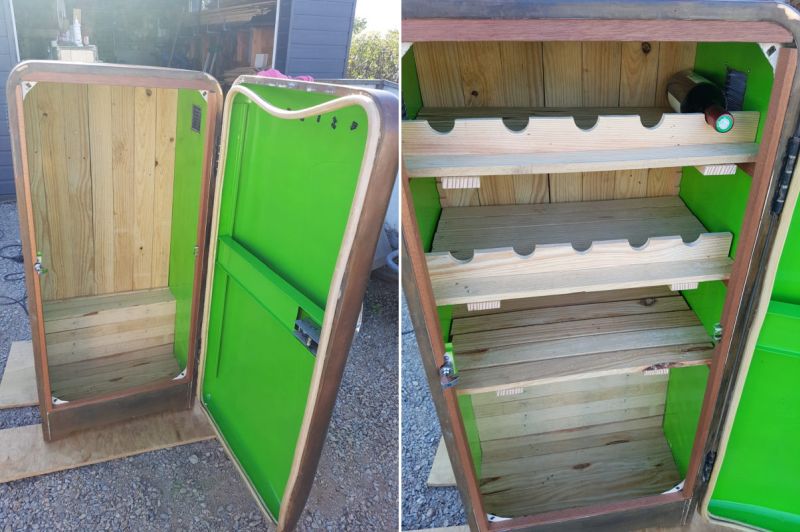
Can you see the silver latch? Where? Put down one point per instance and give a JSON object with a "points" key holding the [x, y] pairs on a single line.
{"points": [[447, 373], [38, 267], [308, 333], [717, 335]]}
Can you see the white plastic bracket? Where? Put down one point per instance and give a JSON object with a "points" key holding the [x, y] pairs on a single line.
{"points": [[683, 286], [27, 86], [771, 53], [483, 305], [204, 94], [56, 401], [451, 183], [678, 488], [180, 375], [717, 169], [509, 392]]}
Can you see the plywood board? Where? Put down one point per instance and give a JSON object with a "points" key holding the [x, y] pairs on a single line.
{"points": [[441, 473], [24, 453], [18, 385]]}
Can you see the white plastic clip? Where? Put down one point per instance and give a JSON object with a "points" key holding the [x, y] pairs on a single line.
{"points": [[771, 53], [180, 375], [57, 401], [204, 94], [452, 183], [483, 305], [26, 87]]}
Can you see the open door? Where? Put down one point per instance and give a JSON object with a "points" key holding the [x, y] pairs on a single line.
{"points": [[306, 171], [755, 482]]}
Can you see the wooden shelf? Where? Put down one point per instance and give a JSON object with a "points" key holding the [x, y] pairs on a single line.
{"points": [[525, 251], [621, 332], [570, 444], [557, 144], [104, 344]]}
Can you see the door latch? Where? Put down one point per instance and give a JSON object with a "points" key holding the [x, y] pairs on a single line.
{"points": [[308, 333], [38, 267], [447, 373]]}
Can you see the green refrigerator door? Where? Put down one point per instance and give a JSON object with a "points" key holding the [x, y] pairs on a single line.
{"points": [[306, 171], [756, 479]]}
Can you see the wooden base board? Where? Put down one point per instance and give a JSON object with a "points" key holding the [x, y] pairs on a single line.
{"points": [[18, 385], [441, 474], [24, 453]]}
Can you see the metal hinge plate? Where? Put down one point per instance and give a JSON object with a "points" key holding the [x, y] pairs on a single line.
{"points": [[308, 333], [447, 372], [708, 465]]}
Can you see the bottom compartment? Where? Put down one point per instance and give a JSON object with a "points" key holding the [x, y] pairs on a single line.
{"points": [[105, 344], [567, 445]]}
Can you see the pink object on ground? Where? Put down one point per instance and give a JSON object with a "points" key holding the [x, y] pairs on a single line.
{"points": [[274, 73]]}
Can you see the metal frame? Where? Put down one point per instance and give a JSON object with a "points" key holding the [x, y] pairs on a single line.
{"points": [[353, 265], [594, 20], [62, 419]]}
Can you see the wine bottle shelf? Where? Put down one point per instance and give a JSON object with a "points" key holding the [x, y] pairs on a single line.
{"points": [[557, 144], [483, 254]]}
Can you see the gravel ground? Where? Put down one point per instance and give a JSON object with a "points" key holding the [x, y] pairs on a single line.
{"points": [[195, 487], [423, 507]]}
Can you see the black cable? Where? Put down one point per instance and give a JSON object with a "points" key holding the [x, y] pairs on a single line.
{"points": [[13, 277]]}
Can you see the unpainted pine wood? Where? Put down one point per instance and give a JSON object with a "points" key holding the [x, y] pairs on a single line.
{"points": [[481, 74], [638, 73], [441, 473], [120, 339], [663, 181], [513, 189], [566, 314], [460, 311], [123, 115], [598, 186], [522, 73], [631, 183], [673, 57], [601, 73], [588, 367], [144, 156], [530, 334], [24, 453], [566, 187], [98, 376], [80, 260], [438, 73], [593, 481], [550, 391], [463, 197], [166, 117], [35, 146], [584, 117], [490, 136], [18, 384], [101, 126]]}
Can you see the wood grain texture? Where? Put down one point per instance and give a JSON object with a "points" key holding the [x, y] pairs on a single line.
{"points": [[601, 73], [18, 384], [24, 454], [92, 152]]}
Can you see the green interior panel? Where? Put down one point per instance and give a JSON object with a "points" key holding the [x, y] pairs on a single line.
{"points": [[412, 97], [719, 202], [787, 287], [185, 214], [758, 480], [682, 412], [428, 208], [286, 199]]}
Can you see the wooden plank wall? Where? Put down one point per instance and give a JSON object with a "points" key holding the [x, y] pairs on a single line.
{"points": [[101, 162], [553, 74]]}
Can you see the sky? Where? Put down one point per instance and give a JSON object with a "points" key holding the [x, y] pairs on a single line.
{"points": [[381, 15]]}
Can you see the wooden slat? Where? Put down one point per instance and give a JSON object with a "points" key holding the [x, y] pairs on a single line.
{"points": [[18, 384], [122, 113], [24, 453], [522, 73], [528, 334], [565, 314], [490, 136], [101, 126], [583, 366], [578, 161], [439, 78], [638, 73], [441, 473], [460, 311], [144, 173], [562, 80], [598, 186], [600, 73], [481, 74], [98, 376], [89, 308], [166, 117], [80, 257]]}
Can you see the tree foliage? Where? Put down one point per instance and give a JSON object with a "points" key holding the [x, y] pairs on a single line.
{"points": [[373, 55]]}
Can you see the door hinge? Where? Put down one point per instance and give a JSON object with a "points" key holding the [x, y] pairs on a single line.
{"points": [[708, 465], [308, 333], [785, 177], [447, 373], [717, 335]]}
